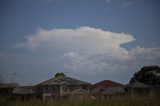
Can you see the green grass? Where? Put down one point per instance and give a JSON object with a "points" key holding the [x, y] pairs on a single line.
{"points": [[116, 101]]}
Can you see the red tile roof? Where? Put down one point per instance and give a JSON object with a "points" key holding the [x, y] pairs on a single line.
{"points": [[106, 84]]}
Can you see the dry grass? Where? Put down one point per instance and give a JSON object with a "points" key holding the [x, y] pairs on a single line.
{"points": [[116, 101]]}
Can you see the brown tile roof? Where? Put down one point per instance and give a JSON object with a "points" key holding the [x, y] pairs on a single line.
{"points": [[106, 84]]}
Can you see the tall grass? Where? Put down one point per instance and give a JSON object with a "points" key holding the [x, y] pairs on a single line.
{"points": [[116, 101]]}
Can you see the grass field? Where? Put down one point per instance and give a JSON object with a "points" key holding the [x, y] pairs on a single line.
{"points": [[117, 101]]}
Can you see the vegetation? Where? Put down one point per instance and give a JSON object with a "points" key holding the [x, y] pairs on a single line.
{"points": [[59, 74], [116, 101], [148, 75]]}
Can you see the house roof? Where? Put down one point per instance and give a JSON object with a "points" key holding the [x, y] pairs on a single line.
{"points": [[8, 85], [113, 90], [97, 90], [137, 84], [63, 80], [106, 84], [80, 91]]}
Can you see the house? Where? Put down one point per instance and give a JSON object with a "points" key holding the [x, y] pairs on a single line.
{"points": [[80, 94], [106, 88], [60, 86], [113, 91], [80, 91], [155, 91], [6, 89], [137, 89], [24, 92]]}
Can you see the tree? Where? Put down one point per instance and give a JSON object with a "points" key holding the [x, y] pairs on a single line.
{"points": [[1, 78], [60, 74], [148, 74]]}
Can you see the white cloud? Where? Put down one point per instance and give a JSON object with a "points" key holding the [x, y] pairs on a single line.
{"points": [[108, 1], [145, 53], [106, 64], [126, 4], [4, 54], [7, 54], [87, 39], [51, 0], [120, 3], [92, 50]]}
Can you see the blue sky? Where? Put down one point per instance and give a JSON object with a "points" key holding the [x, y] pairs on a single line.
{"points": [[90, 40]]}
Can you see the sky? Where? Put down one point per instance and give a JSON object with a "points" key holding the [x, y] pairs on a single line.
{"points": [[91, 40]]}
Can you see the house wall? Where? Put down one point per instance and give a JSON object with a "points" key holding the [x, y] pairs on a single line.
{"points": [[6, 93], [138, 91], [155, 91], [71, 88], [48, 91], [75, 87]]}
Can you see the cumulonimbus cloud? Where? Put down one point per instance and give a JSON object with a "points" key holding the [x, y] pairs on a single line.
{"points": [[87, 39], [92, 50]]}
